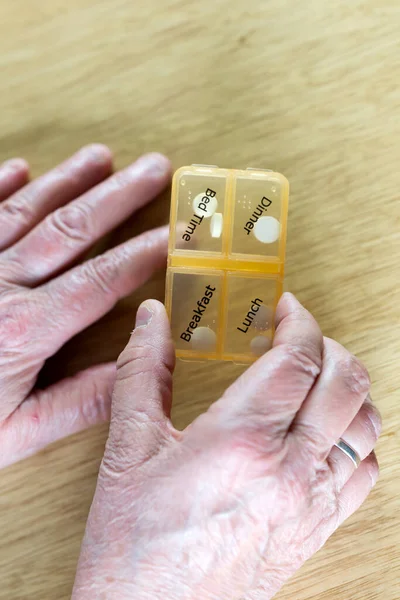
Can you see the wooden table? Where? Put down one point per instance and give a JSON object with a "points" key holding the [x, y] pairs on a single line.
{"points": [[308, 88]]}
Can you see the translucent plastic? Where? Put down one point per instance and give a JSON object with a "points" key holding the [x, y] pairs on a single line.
{"points": [[225, 261], [197, 199], [251, 303], [198, 307]]}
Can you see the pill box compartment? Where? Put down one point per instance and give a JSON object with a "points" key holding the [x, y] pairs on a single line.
{"points": [[221, 315], [194, 304], [198, 210], [259, 215], [250, 310]]}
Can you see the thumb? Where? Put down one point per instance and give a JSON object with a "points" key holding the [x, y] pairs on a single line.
{"points": [[141, 405]]}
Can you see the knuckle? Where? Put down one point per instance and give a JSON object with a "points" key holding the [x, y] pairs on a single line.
{"points": [[102, 271], [10, 270], [141, 359], [15, 324], [116, 461], [312, 441], [18, 207], [302, 358], [307, 479], [354, 375], [140, 354], [143, 362], [73, 223]]}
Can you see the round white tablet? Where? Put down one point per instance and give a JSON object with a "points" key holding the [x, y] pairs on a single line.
{"points": [[260, 345], [204, 339], [267, 230], [202, 208], [216, 225]]}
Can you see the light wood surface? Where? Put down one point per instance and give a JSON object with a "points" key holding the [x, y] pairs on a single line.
{"points": [[310, 89]]}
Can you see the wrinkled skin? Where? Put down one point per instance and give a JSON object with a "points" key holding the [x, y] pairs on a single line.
{"points": [[233, 505], [45, 226]]}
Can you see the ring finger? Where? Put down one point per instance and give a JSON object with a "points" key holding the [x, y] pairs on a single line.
{"points": [[333, 402], [361, 435]]}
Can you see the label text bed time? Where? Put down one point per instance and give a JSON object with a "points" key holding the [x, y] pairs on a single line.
{"points": [[198, 218]]}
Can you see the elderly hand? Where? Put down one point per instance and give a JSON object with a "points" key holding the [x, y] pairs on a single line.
{"points": [[44, 227], [233, 505]]}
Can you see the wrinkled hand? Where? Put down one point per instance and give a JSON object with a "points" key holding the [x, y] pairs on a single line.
{"points": [[44, 227], [233, 505]]}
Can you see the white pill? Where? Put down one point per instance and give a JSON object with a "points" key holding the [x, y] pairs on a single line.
{"points": [[204, 339], [267, 230], [204, 206], [263, 318], [216, 225], [260, 345]]}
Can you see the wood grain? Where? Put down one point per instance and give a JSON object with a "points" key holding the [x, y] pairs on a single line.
{"points": [[307, 88]]}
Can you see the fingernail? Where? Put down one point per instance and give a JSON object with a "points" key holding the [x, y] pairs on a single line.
{"points": [[291, 300], [376, 423], [15, 164], [156, 163], [374, 474], [143, 316], [100, 153], [373, 470]]}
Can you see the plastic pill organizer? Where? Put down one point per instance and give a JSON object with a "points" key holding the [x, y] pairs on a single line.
{"points": [[225, 261]]}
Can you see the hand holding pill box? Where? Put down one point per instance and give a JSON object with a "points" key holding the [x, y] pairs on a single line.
{"points": [[225, 261]]}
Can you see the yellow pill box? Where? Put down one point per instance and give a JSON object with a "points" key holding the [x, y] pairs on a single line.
{"points": [[225, 261]]}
